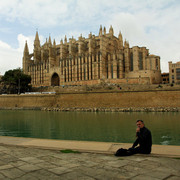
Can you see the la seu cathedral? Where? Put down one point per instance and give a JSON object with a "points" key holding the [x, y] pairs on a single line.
{"points": [[88, 61]]}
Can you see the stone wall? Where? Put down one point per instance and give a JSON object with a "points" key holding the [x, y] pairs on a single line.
{"points": [[148, 99]]}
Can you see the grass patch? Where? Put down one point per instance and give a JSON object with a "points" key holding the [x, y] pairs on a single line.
{"points": [[69, 151]]}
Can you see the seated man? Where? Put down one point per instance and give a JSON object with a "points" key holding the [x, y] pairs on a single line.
{"points": [[144, 140]]}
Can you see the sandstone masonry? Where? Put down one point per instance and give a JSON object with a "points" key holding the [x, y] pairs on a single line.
{"points": [[155, 100]]}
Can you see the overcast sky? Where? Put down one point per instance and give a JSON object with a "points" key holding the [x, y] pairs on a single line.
{"points": [[151, 23]]}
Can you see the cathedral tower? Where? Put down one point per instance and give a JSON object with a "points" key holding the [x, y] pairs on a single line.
{"points": [[25, 58]]}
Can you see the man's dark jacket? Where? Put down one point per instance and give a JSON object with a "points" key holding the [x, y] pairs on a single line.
{"points": [[144, 139]]}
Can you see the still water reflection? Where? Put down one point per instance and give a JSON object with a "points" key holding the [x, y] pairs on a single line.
{"points": [[89, 126]]}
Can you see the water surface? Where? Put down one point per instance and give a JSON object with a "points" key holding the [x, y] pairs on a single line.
{"points": [[90, 126]]}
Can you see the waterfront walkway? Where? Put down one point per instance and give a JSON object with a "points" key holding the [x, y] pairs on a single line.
{"points": [[27, 158]]}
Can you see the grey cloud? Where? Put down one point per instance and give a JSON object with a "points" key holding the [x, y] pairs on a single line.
{"points": [[152, 23]]}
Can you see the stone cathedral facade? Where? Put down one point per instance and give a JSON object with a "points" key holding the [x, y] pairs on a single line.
{"points": [[88, 61]]}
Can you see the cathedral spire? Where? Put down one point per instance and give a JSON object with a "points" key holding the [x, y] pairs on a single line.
{"points": [[120, 40], [26, 49], [26, 58], [36, 41], [37, 36], [120, 36], [54, 43], [126, 44], [50, 43], [100, 31], [65, 39], [111, 31], [104, 30]]}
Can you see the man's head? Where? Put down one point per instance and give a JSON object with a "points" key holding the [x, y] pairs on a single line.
{"points": [[140, 123]]}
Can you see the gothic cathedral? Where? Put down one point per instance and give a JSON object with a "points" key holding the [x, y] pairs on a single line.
{"points": [[88, 61]]}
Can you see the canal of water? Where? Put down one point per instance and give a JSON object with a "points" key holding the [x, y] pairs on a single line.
{"points": [[90, 126]]}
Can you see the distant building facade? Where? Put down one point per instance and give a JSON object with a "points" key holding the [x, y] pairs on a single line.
{"points": [[87, 61], [174, 72], [165, 78]]}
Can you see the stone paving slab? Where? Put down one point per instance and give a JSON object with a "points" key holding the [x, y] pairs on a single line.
{"points": [[36, 164]]}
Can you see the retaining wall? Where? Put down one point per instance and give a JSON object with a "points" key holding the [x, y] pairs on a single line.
{"points": [[126, 99]]}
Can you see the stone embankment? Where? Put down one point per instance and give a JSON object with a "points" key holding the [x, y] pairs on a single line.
{"points": [[161, 109], [114, 101]]}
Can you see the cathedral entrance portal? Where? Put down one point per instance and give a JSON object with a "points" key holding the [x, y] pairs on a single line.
{"points": [[55, 80]]}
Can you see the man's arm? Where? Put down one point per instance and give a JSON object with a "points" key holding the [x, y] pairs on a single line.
{"points": [[137, 140], [135, 143], [143, 136]]}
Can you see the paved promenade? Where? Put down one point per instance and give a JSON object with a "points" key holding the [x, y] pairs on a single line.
{"points": [[26, 158]]}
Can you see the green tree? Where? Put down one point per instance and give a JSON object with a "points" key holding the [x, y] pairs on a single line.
{"points": [[15, 81]]}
